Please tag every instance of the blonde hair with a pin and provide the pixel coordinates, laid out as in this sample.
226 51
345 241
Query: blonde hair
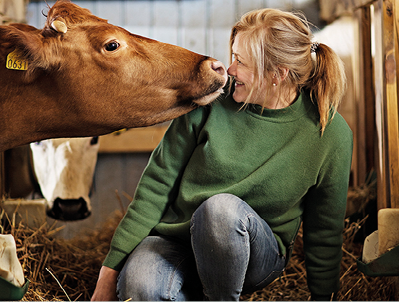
277 40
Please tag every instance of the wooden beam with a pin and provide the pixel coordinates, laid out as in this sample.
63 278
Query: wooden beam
133 140
333 9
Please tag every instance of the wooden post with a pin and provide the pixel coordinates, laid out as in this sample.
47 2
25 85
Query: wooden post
368 87
365 133
2 177
391 100
386 57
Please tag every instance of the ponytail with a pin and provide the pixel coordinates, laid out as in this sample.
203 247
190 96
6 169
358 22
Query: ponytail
327 83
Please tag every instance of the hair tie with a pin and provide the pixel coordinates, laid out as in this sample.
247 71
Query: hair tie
314 46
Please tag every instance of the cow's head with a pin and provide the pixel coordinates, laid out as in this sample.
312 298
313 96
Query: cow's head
64 169
86 77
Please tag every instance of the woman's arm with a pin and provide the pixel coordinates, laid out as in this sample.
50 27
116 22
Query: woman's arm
323 217
157 188
106 285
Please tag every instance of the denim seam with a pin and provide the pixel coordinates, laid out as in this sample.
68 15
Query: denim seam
193 247
247 243
276 249
170 285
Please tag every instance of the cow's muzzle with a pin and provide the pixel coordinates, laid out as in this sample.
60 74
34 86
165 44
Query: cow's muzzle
69 209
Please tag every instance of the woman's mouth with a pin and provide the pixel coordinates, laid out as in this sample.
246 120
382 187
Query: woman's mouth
238 83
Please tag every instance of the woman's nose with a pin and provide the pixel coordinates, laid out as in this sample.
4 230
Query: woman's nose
231 70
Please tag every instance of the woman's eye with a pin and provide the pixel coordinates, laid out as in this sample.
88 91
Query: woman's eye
236 59
111 46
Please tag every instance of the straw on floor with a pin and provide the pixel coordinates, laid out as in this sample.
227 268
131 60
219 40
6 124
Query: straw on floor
64 270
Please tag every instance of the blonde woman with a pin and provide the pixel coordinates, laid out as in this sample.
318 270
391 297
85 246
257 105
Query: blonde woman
218 208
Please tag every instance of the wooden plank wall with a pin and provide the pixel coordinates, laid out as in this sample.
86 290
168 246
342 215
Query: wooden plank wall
377 84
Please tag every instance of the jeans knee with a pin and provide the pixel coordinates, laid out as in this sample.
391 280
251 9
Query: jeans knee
218 206
125 287
218 212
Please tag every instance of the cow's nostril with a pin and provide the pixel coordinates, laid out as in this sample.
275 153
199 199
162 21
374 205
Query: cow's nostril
71 206
218 67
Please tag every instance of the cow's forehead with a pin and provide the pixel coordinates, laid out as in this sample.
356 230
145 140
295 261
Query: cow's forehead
71 13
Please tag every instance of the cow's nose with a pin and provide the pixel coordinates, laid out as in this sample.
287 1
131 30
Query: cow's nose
69 209
219 68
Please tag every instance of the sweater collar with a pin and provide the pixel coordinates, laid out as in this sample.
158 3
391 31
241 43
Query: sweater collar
293 112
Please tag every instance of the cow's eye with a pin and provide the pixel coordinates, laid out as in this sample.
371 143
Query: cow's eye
111 46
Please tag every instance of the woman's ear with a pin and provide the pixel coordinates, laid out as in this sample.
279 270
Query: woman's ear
283 73
280 76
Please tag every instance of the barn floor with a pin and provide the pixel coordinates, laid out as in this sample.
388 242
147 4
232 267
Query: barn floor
74 264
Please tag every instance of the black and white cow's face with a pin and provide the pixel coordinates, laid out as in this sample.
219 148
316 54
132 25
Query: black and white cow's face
64 168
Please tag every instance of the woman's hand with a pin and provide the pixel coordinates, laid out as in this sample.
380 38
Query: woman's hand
106 285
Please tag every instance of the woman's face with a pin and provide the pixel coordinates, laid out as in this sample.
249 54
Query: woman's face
242 69
267 92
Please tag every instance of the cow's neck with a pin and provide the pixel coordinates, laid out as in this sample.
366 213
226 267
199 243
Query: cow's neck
29 115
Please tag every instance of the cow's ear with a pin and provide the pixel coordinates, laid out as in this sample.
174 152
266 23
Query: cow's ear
38 51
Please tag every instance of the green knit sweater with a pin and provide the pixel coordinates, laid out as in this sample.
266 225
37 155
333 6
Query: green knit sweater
275 160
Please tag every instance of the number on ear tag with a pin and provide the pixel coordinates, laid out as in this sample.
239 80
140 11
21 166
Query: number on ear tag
16 61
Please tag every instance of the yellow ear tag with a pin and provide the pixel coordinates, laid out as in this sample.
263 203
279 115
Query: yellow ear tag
16 61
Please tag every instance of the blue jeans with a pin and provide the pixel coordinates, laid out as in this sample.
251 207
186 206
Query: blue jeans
233 251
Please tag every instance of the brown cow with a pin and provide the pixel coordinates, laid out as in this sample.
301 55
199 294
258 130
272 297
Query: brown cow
80 76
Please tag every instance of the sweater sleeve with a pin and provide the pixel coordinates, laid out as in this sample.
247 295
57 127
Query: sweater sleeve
323 218
157 187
